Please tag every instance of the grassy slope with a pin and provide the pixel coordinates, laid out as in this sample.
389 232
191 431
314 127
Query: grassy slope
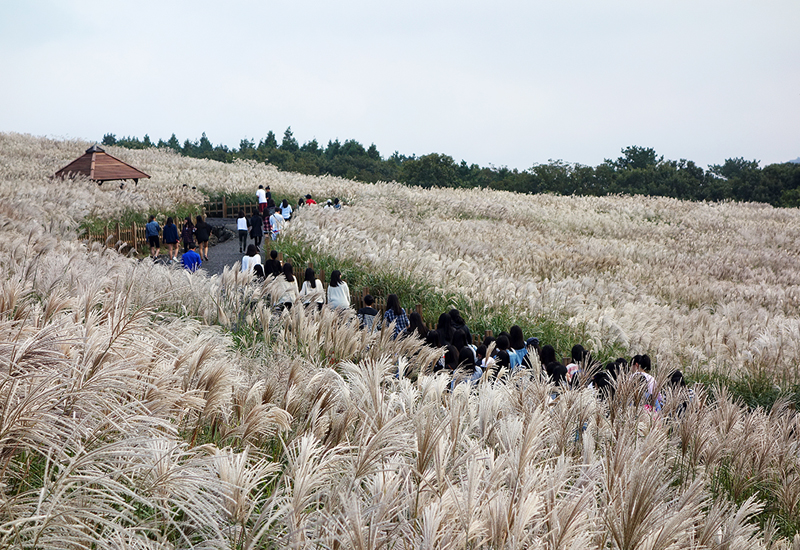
90 337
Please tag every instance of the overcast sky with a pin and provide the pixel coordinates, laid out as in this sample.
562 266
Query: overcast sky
503 83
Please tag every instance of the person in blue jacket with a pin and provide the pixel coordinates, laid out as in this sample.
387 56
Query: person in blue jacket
191 259
151 231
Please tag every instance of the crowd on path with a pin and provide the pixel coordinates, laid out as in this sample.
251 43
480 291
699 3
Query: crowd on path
269 221
465 360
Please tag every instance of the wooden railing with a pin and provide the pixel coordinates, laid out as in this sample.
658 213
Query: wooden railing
221 209
133 235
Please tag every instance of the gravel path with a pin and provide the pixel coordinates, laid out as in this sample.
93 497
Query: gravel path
222 254
226 253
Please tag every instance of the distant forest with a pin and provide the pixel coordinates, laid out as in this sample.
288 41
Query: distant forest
639 171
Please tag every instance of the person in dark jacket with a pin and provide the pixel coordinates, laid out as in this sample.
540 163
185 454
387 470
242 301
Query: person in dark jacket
273 267
257 229
187 234
202 232
458 323
171 239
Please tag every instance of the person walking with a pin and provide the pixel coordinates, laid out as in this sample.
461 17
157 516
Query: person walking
286 210
171 239
202 232
242 227
187 234
152 231
276 224
257 229
261 195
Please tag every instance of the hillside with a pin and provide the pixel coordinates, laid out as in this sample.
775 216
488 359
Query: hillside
145 407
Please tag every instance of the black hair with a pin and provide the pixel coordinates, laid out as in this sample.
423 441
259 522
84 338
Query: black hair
251 250
199 219
369 300
285 203
336 200
460 339
310 276
273 254
466 358
502 342
241 213
287 272
481 351
516 340
503 360
169 220
188 221
644 363
556 372
301 202
415 324
152 217
393 303
336 278
488 340
445 327
451 357
455 316
191 246
578 353
433 339
676 380
547 354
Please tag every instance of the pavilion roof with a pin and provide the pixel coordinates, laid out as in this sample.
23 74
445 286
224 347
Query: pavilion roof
98 165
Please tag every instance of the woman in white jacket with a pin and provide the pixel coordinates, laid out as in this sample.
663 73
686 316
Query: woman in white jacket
286 288
338 292
312 291
250 259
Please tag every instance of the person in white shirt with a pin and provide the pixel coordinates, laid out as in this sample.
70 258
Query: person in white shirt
338 292
286 210
277 224
286 288
312 291
251 258
242 226
261 194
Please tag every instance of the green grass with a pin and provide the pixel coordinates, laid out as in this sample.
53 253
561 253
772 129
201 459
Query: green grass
752 389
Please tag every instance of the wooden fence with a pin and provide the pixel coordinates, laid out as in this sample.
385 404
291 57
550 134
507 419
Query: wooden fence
221 209
133 235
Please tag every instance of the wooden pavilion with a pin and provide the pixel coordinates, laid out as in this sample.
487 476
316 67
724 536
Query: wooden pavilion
99 166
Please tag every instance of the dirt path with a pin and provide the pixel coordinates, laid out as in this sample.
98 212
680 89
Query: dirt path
222 254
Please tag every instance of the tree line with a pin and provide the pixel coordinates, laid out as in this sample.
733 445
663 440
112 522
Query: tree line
638 171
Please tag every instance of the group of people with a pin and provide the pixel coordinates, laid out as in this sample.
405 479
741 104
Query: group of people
193 235
310 292
468 363
271 218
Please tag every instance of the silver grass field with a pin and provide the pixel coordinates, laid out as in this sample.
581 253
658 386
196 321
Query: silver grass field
142 407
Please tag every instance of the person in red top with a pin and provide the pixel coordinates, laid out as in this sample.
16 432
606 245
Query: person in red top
309 200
